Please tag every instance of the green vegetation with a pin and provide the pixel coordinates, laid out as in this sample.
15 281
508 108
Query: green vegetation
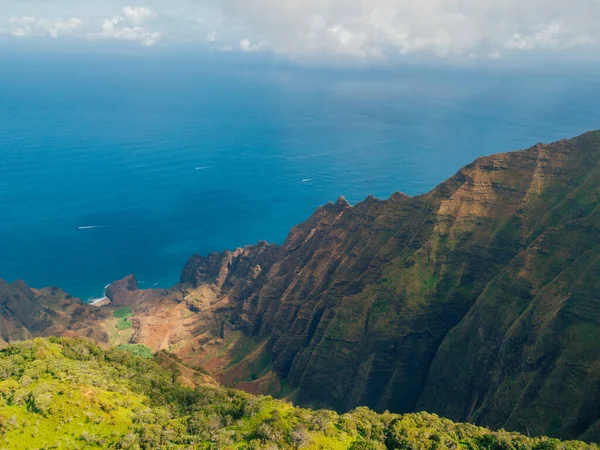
69 393
122 313
138 350
243 347
124 324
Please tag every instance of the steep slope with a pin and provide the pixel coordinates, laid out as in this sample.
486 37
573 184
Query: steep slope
26 313
69 393
352 309
530 346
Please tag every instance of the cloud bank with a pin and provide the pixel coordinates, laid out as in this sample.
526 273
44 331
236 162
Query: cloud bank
443 28
40 27
130 25
362 29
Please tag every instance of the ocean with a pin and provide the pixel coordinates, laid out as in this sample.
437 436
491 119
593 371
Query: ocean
117 164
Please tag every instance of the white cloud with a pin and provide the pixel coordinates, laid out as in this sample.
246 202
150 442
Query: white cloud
246 45
139 15
212 36
444 28
34 26
553 36
129 27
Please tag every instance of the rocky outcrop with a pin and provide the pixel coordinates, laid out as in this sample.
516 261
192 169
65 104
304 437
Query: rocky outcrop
127 284
26 313
228 269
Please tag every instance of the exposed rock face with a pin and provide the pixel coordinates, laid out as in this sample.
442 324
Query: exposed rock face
226 269
127 284
447 302
529 348
478 301
27 313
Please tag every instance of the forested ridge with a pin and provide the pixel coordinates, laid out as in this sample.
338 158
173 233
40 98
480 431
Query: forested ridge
65 393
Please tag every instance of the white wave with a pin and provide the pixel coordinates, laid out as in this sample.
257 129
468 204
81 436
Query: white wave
95 301
91 227
156 284
306 180
203 167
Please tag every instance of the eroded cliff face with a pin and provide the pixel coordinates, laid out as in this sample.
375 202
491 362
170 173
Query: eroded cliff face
527 354
353 308
477 301
26 313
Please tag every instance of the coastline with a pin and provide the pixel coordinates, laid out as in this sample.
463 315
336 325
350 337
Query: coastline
99 301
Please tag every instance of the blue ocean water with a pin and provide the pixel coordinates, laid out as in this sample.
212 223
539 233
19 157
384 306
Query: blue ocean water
111 165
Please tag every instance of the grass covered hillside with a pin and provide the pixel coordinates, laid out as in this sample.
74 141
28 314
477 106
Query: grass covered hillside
69 393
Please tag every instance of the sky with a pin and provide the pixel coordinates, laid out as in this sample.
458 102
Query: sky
321 30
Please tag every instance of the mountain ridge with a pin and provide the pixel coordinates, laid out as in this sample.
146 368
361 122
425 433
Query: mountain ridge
394 304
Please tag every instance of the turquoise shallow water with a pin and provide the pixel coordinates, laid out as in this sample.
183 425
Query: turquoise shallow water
159 158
